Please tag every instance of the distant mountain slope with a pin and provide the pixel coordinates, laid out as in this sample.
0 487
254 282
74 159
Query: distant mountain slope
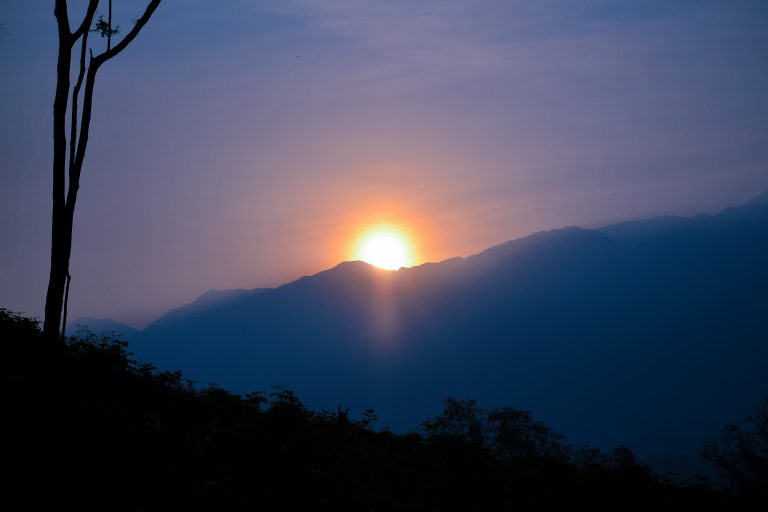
101 326
209 301
652 333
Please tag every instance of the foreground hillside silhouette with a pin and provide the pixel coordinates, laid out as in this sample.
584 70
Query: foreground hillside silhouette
90 427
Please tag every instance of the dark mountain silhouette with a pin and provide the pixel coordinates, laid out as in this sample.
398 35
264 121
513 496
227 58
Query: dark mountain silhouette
652 334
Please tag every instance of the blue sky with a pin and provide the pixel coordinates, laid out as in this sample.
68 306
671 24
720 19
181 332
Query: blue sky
243 144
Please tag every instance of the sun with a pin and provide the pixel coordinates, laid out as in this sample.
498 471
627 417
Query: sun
384 248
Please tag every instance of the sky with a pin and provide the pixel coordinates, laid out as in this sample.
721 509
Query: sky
244 144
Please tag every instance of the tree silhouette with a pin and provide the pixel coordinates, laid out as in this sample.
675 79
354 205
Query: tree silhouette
463 419
514 433
509 433
742 455
65 187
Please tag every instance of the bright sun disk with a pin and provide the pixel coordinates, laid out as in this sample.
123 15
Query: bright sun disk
387 250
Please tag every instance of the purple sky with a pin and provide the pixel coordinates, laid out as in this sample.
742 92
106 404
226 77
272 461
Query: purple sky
240 144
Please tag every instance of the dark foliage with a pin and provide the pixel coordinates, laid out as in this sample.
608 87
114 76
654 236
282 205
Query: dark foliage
462 419
742 456
88 428
508 433
102 27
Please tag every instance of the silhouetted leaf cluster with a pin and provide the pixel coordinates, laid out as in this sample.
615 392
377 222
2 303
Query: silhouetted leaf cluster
102 27
89 428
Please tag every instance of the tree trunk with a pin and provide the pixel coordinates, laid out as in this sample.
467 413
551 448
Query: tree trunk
61 247
61 238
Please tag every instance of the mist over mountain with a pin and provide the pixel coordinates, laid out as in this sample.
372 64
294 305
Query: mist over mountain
652 333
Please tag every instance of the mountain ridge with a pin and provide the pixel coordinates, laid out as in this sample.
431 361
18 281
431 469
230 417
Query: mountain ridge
625 228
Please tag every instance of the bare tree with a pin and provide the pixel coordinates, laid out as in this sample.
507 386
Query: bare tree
65 190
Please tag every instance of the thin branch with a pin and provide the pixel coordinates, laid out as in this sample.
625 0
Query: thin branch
85 124
109 34
66 303
76 94
102 58
86 24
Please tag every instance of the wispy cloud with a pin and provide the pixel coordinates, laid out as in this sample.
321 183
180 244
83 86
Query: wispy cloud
391 45
405 42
